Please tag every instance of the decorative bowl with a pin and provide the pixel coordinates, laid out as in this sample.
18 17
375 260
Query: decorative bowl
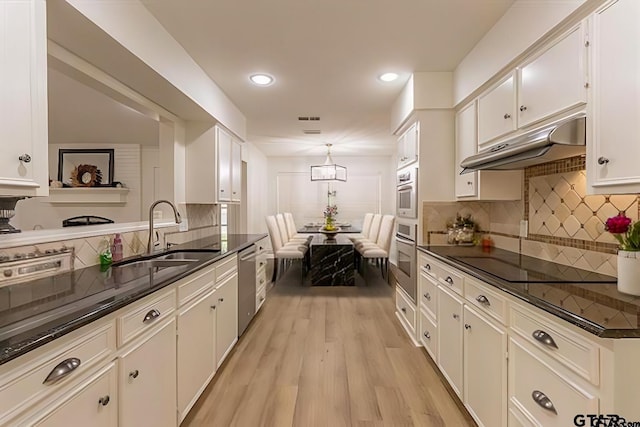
330 234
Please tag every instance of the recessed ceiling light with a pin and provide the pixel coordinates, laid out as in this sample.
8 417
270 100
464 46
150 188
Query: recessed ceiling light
261 79
388 77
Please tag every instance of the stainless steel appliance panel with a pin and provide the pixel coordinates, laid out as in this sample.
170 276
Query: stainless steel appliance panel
406 272
246 287
407 193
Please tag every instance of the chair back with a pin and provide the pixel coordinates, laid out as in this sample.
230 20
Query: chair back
274 233
282 226
386 232
366 223
291 225
375 228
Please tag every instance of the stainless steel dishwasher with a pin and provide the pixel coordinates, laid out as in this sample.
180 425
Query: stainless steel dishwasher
246 287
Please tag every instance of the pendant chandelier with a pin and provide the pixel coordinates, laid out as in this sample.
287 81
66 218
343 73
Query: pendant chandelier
328 171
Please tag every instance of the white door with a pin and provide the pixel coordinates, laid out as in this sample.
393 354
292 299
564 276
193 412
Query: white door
450 338
496 111
226 300
94 402
196 350
236 171
147 380
224 142
23 99
485 369
554 81
614 137
466 145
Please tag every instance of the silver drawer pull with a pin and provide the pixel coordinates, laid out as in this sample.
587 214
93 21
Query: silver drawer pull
544 338
427 296
449 280
427 335
483 300
62 369
427 267
151 316
543 401
467 326
134 374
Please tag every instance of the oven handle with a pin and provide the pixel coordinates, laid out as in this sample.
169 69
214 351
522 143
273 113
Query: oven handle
405 241
405 187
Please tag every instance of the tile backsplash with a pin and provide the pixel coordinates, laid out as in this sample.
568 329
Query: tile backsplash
565 224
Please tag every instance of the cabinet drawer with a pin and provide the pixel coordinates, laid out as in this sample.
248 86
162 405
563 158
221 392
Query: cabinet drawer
226 267
428 294
25 385
192 288
549 397
261 295
144 315
429 335
487 300
517 419
451 279
429 266
406 310
570 349
261 279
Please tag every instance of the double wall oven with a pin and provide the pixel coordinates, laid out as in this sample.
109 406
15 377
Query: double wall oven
407 193
406 256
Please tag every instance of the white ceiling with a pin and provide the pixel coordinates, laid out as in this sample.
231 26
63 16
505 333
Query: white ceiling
326 56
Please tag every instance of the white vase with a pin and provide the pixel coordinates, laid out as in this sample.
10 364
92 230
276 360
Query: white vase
629 272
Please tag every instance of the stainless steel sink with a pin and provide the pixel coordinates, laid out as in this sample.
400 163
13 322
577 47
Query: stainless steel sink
164 260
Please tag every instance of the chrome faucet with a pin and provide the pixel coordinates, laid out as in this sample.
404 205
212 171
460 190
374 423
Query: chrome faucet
153 205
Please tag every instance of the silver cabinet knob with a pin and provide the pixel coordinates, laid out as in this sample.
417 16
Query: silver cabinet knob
427 267
104 401
427 335
404 310
467 326
25 158
507 116
427 296
449 280
603 160
456 316
213 307
220 299
134 374
469 183
543 401
523 108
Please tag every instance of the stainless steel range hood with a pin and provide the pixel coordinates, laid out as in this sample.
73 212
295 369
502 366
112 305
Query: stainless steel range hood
564 138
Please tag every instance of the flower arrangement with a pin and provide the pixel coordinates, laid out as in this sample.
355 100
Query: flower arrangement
626 233
330 213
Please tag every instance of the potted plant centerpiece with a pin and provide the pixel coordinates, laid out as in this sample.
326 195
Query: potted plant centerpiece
628 237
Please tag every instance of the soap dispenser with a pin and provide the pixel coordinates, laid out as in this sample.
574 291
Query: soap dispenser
116 249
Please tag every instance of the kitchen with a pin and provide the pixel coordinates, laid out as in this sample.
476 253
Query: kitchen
473 76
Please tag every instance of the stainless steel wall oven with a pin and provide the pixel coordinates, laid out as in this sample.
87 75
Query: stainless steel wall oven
406 257
407 193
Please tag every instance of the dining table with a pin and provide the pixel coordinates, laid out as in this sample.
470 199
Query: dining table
332 260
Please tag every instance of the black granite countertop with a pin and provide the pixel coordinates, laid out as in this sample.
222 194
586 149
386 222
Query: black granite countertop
36 312
595 307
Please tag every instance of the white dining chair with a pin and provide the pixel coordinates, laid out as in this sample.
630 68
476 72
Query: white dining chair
292 230
366 226
379 250
283 253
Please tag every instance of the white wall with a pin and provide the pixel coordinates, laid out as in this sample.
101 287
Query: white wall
370 187
524 23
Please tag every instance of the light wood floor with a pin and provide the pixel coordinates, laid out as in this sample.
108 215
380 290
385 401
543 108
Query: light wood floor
327 356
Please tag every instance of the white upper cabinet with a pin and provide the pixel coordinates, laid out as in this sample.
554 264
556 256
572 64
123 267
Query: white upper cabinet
613 134
555 80
496 111
408 146
23 99
480 185
213 156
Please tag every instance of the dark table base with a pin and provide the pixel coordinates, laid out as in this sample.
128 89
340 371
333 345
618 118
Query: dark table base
332 264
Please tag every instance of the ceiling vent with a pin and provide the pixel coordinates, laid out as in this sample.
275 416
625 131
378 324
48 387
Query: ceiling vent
308 118
312 131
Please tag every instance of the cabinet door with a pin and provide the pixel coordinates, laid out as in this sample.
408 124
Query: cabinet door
614 138
224 142
554 81
236 171
196 330
496 111
93 402
408 146
466 145
23 98
147 380
485 370
450 338
227 317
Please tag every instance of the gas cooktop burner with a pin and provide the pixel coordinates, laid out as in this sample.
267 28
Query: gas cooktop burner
523 269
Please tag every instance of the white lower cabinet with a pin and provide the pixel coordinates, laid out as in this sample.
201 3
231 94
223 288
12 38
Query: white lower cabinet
450 338
93 402
485 369
196 330
547 394
147 379
226 301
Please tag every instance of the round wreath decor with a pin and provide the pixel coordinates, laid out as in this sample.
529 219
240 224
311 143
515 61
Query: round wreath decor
86 176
